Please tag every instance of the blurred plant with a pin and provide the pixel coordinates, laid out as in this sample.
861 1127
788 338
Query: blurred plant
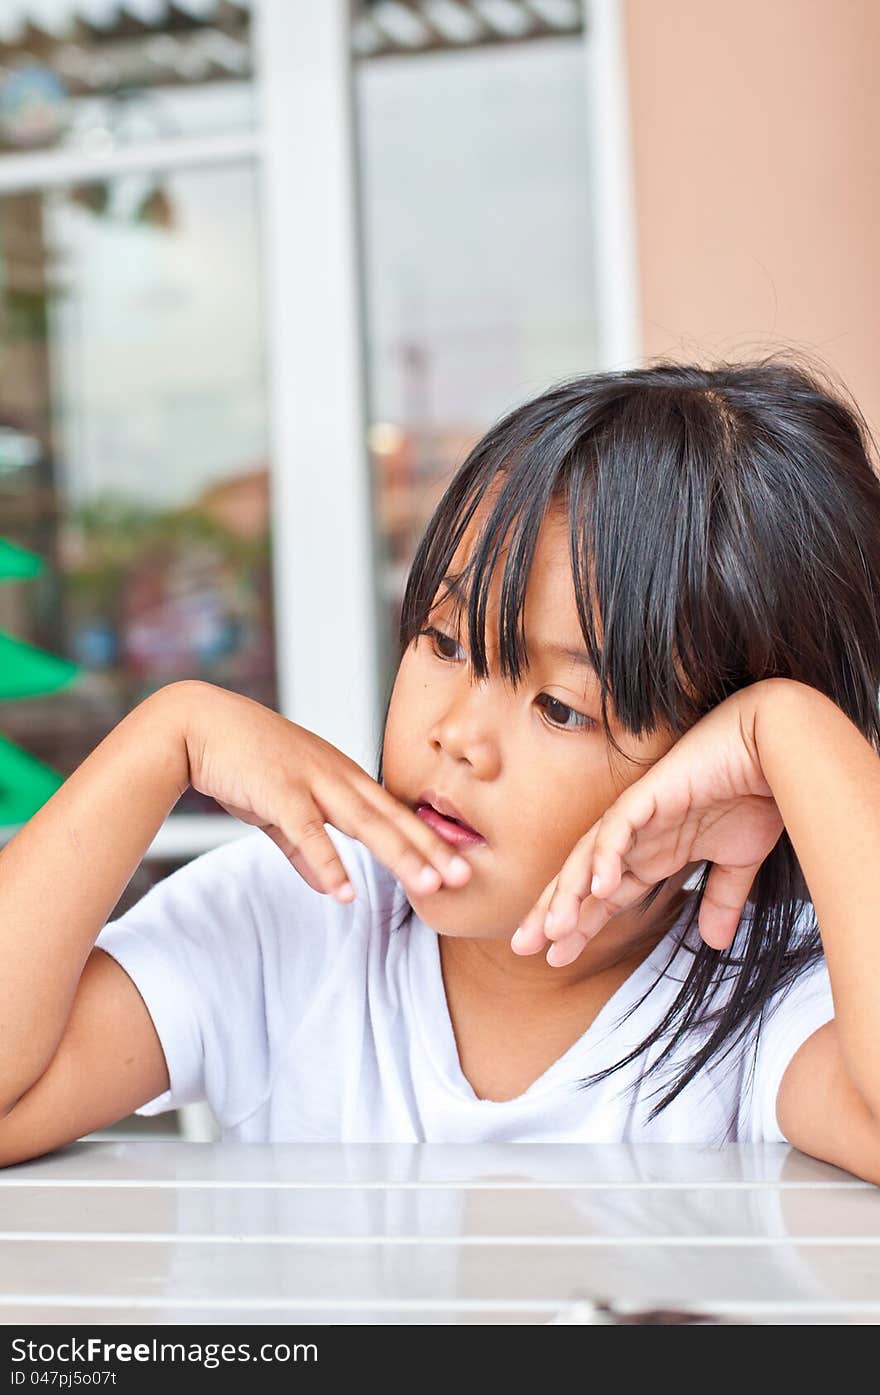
25 315
95 198
156 209
113 531
124 561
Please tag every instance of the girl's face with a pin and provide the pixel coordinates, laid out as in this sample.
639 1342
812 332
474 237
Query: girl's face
531 770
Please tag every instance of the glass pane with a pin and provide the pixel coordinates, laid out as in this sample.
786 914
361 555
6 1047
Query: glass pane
478 260
134 473
92 74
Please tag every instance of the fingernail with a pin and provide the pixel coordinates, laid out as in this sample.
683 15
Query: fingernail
518 936
428 879
594 885
549 920
345 892
458 866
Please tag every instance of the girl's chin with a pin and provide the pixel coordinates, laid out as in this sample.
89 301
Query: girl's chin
451 926
448 932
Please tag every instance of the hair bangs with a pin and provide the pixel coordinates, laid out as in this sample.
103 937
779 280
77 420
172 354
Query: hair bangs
520 475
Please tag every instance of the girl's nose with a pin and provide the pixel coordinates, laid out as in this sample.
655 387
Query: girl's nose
469 727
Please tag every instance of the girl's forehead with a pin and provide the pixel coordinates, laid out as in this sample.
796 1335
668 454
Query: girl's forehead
551 548
549 584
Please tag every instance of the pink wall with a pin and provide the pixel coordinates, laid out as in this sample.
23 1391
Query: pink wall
755 130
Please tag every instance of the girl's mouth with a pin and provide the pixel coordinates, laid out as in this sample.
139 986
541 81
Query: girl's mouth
452 832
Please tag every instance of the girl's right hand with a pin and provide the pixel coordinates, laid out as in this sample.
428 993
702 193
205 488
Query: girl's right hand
282 778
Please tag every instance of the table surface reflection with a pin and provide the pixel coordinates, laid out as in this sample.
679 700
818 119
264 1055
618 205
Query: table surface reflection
168 1231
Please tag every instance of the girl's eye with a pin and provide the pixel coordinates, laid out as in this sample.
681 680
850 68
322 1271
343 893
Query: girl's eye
439 637
581 722
560 714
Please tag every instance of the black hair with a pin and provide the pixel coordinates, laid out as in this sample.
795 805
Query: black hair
724 521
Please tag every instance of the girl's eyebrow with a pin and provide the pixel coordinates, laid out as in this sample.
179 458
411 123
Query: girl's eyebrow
577 656
562 651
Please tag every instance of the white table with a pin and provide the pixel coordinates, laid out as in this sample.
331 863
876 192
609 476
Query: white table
174 1232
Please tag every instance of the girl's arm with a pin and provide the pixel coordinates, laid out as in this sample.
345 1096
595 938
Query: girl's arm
65 870
825 779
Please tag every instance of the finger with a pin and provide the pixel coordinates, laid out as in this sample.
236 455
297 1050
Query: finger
428 844
341 887
618 829
572 886
529 936
592 914
397 841
566 950
727 890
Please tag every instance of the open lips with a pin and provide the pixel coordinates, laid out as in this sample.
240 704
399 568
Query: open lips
450 827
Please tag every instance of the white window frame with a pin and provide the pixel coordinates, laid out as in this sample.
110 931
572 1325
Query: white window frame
616 260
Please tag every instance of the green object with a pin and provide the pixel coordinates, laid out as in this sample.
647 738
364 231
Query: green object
25 783
16 564
25 671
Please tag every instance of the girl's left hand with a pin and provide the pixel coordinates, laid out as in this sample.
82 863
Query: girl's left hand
706 799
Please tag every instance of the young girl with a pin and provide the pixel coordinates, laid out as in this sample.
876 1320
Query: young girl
618 876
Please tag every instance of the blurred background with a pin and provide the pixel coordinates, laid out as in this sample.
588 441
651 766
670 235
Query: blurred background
269 268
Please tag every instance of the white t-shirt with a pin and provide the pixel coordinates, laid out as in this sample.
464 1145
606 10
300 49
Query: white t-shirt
300 1019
